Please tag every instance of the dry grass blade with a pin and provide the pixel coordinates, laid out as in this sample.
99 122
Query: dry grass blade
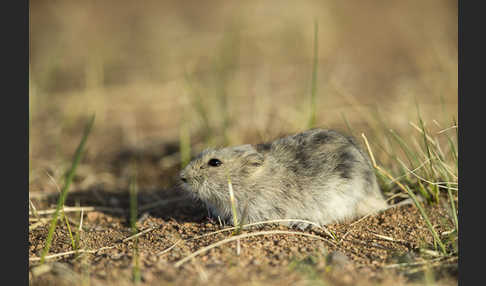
233 205
83 208
267 222
204 249
78 251
249 225
443 185
34 210
170 247
91 250
408 170
447 129
292 220
139 234
419 263
38 223
57 255
236 222
77 238
386 237
397 195
449 171
423 133
81 220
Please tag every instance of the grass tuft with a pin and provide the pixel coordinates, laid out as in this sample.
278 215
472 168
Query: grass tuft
62 197
63 214
432 174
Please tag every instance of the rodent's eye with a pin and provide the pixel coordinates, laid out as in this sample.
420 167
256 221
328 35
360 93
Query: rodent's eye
214 163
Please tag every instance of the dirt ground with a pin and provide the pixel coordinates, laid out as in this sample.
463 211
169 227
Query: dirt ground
382 249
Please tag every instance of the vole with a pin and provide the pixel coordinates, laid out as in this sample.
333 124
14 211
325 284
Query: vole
318 175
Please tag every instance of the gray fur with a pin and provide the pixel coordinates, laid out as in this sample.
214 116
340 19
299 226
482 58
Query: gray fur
318 175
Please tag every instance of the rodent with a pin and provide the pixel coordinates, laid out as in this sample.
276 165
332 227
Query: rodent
318 175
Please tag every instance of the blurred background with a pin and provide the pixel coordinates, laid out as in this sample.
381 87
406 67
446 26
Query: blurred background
164 74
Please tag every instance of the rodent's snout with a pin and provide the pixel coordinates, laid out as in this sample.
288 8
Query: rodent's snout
182 176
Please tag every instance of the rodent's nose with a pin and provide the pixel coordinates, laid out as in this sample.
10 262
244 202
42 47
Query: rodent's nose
183 178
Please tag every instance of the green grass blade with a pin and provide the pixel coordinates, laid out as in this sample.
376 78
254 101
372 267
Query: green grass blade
197 103
452 148
452 144
411 157
453 208
133 203
69 177
426 143
184 145
348 126
136 275
71 237
427 220
312 119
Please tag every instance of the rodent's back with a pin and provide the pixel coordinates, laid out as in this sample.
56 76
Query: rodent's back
316 153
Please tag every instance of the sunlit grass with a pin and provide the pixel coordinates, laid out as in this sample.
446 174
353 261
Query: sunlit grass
431 172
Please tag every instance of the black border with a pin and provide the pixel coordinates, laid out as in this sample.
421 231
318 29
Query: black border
15 97
471 79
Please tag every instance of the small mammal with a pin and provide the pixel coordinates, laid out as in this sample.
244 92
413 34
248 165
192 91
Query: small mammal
318 175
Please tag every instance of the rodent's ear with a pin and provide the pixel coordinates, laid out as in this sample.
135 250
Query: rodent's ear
254 159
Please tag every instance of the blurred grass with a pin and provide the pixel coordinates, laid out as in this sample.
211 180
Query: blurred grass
242 67
136 274
313 111
309 267
185 145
